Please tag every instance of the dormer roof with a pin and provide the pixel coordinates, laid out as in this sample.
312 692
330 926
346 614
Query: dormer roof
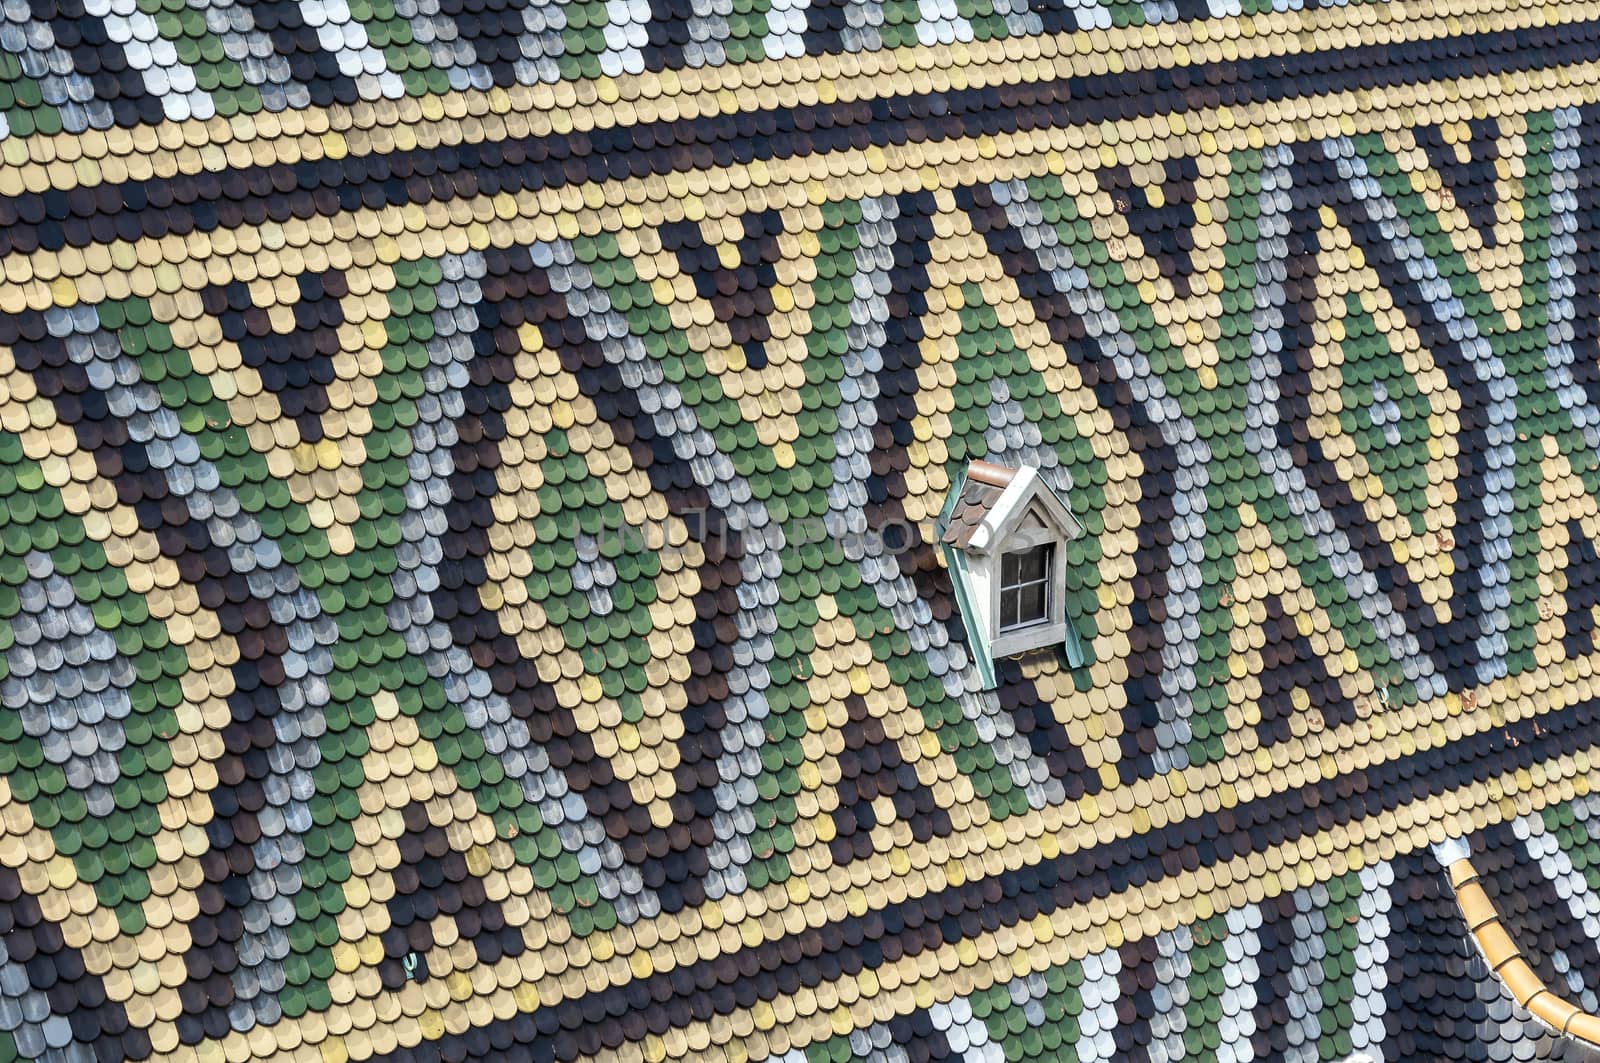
994 499
983 488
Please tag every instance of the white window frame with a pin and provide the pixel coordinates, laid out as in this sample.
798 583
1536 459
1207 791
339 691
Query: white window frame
1022 588
1008 642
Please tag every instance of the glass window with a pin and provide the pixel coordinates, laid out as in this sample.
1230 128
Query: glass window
1025 591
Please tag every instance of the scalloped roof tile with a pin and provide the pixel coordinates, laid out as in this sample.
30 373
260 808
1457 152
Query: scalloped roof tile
469 472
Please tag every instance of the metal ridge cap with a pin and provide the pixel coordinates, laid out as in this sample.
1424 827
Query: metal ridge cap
1494 942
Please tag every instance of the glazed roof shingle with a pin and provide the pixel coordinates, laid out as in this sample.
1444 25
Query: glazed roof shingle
470 474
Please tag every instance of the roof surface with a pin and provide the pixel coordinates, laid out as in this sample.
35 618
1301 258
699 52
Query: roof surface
467 480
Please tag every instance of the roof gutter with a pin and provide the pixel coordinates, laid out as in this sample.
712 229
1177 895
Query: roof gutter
1551 1009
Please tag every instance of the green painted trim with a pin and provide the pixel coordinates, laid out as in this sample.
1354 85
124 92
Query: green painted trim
956 562
1072 645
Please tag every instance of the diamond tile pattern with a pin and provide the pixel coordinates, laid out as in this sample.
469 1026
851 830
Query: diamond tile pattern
470 578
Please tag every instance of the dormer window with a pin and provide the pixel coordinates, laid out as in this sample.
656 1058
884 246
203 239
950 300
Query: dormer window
1004 533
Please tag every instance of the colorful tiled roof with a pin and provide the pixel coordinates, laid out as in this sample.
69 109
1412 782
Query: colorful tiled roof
469 470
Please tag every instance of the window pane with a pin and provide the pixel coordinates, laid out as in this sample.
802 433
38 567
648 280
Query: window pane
1008 608
1031 603
1024 586
1025 592
1024 605
1033 564
1026 566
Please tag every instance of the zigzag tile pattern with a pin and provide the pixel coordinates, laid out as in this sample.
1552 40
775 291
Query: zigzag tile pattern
469 584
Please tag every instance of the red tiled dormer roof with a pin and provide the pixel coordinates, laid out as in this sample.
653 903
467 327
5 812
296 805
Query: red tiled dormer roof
984 485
